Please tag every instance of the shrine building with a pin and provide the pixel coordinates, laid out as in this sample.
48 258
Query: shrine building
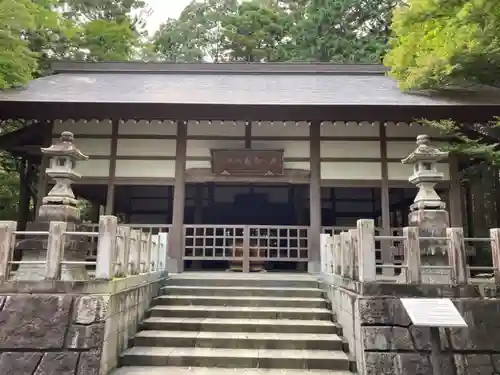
266 155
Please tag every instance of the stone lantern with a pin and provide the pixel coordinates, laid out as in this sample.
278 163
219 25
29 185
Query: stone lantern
425 174
428 211
59 205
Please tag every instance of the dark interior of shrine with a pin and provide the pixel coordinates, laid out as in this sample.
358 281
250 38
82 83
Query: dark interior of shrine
251 204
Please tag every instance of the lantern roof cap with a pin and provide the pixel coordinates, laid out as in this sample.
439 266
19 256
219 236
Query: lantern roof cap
65 147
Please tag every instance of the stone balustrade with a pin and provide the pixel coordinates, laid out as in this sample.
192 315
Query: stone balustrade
351 254
375 324
121 251
64 325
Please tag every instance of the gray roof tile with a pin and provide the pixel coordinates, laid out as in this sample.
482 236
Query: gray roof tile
229 87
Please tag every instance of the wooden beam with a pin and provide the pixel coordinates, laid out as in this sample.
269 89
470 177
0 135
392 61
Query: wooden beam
110 195
248 135
176 235
43 179
315 198
455 196
384 199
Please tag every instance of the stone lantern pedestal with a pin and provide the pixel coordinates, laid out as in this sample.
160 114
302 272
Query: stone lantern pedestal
428 212
59 205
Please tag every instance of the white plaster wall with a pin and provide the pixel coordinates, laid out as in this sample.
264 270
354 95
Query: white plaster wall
292 149
280 129
401 149
201 148
145 168
349 129
146 147
409 130
190 164
82 127
148 128
401 172
350 171
216 128
93 168
297 165
92 146
350 149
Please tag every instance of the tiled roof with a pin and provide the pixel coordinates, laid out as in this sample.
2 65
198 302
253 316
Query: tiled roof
232 84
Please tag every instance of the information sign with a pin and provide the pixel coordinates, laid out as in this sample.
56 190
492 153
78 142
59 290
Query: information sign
433 312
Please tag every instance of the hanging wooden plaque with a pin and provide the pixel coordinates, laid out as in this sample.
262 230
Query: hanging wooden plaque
247 162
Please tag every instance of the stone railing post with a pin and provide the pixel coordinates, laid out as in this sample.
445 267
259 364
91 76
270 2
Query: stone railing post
106 247
337 252
135 252
162 251
331 255
7 241
411 245
347 263
353 233
366 250
495 253
456 255
122 245
55 249
146 253
322 253
342 252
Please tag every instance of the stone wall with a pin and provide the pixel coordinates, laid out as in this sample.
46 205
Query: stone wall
383 341
82 331
393 346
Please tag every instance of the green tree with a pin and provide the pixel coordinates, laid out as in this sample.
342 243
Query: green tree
108 40
438 44
198 34
342 31
255 32
17 61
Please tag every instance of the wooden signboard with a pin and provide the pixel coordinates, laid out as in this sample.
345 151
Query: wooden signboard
247 162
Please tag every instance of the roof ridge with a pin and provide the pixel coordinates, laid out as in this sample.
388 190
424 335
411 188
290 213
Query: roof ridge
218 68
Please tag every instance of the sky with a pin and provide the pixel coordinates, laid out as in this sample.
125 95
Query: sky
163 9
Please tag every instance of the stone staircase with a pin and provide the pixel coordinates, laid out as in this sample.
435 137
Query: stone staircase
218 323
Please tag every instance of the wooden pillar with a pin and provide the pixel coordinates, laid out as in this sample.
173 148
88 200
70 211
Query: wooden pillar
110 194
315 198
248 135
455 196
43 179
386 255
176 234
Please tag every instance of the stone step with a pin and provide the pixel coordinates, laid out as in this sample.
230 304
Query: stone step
181 300
241 325
241 291
153 370
239 340
240 312
235 358
247 280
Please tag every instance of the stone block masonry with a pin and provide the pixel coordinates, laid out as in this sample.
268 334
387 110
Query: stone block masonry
384 342
72 333
40 334
393 346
